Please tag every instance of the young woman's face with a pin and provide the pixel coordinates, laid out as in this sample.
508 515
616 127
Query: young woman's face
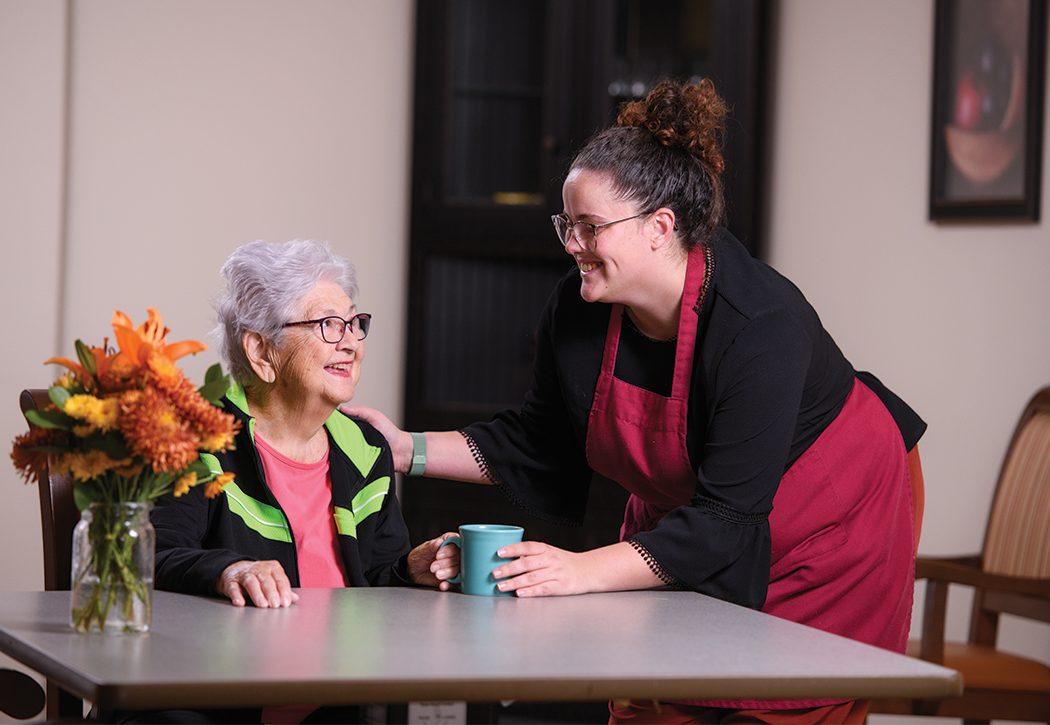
315 370
612 265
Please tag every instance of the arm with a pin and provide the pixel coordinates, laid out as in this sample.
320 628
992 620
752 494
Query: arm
448 455
543 570
183 564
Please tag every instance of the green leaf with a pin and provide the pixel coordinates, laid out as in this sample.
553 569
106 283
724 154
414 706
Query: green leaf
214 373
58 396
199 467
215 384
50 419
85 494
112 444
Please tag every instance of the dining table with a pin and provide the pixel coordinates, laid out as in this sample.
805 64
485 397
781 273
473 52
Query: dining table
398 645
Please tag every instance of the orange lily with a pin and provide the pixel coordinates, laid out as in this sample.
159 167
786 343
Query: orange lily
149 337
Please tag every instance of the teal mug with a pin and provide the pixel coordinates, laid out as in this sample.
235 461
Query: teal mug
478 544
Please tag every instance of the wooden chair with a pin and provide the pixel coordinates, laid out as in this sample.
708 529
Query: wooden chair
58 517
1010 576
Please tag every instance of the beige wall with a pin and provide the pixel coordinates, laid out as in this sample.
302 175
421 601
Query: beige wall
196 125
193 126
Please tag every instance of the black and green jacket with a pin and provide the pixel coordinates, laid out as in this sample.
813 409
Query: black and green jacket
197 538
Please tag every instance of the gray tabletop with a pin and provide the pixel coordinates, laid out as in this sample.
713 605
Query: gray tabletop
398 645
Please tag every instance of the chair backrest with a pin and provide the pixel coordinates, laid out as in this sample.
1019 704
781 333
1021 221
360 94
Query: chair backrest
1017 540
58 512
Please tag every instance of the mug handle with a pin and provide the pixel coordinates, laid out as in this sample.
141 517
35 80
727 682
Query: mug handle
454 540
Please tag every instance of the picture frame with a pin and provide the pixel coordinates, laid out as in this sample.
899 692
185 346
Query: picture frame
989 75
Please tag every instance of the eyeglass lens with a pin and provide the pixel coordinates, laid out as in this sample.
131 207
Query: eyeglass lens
582 231
333 329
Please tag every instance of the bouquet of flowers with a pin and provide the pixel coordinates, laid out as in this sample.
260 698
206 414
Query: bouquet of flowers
127 426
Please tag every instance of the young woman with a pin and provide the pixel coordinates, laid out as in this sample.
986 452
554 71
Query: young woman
763 469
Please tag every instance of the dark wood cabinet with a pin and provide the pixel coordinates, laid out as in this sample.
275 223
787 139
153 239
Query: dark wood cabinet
505 92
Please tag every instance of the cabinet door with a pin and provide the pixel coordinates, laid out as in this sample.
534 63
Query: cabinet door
506 90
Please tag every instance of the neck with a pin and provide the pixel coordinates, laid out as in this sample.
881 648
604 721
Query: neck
294 429
655 312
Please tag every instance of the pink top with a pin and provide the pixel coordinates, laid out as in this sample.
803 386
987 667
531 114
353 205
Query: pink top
304 491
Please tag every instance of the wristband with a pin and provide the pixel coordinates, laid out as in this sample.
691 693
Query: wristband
419 454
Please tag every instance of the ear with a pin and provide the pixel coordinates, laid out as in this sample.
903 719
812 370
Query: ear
256 349
662 228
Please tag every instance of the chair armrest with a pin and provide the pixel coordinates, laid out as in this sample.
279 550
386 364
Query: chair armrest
966 570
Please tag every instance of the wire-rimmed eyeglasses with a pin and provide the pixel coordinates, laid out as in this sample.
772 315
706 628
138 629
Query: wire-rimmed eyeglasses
583 232
333 327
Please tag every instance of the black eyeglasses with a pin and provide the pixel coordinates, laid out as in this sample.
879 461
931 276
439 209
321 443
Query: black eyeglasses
333 328
584 232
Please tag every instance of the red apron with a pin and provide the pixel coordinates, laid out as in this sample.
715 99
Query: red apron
841 526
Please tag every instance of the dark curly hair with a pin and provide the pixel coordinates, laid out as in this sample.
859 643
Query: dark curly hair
666 151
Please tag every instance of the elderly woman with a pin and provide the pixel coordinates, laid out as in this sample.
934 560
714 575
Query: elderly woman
312 501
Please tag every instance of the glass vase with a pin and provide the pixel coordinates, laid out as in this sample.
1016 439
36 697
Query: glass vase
112 569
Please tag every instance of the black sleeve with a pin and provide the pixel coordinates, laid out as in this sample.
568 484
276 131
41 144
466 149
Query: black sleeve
182 563
534 454
719 544
387 562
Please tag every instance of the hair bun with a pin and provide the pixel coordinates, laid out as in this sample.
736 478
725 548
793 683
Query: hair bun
689 116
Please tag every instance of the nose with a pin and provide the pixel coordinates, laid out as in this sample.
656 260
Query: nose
574 238
349 341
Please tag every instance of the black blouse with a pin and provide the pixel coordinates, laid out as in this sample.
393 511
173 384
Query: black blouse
766 381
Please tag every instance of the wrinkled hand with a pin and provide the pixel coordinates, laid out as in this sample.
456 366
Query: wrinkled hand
399 441
542 570
264 582
429 566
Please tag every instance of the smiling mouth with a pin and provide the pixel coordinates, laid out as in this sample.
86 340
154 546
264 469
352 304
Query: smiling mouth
339 368
588 267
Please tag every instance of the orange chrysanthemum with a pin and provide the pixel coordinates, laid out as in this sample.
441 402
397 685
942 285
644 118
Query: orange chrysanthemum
184 484
30 462
154 430
215 486
214 428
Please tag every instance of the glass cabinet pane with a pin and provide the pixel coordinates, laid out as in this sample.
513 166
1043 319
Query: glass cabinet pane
496 101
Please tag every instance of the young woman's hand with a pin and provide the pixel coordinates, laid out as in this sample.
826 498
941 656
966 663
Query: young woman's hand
543 570
399 441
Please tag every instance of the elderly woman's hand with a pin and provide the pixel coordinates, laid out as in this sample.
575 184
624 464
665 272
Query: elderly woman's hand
431 566
263 581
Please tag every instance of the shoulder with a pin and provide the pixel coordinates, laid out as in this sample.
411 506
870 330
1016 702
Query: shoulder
749 286
358 440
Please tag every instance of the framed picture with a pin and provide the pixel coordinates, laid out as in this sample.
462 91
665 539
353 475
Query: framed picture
989 75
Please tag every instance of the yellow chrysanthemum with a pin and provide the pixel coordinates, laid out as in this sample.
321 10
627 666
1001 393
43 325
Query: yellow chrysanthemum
81 406
184 484
84 466
215 486
130 468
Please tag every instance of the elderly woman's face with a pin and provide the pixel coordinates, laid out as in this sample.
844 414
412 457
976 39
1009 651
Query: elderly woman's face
313 367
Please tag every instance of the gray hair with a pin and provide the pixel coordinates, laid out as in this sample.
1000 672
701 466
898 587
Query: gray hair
264 284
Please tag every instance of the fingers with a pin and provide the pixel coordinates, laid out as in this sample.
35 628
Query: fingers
523 548
236 595
264 583
539 570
